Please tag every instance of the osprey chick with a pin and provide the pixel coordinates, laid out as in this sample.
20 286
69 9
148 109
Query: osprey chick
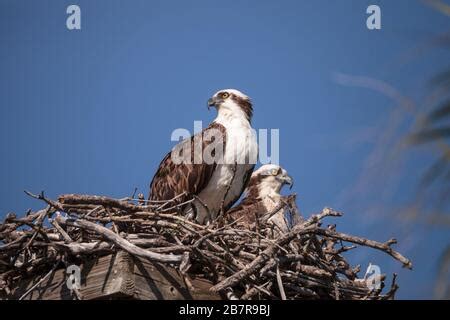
262 196
216 163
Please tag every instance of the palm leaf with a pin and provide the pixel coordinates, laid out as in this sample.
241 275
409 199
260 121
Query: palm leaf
429 135
442 79
439 5
441 112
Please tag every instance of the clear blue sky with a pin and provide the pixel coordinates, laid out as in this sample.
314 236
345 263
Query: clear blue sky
91 111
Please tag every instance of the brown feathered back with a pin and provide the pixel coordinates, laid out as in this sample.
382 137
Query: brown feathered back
245 211
172 179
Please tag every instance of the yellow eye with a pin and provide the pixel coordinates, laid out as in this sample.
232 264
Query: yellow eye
225 95
274 172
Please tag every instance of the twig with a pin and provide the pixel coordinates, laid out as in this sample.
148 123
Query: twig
40 281
307 261
120 242
280 284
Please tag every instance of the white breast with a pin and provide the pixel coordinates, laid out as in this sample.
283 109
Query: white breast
271 203
225 184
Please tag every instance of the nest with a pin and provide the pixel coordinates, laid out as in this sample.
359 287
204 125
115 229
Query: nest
243 262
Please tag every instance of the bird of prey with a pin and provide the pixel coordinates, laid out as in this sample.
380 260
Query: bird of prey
262 198
216 163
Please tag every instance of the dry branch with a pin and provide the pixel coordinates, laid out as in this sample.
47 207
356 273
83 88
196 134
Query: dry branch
244 262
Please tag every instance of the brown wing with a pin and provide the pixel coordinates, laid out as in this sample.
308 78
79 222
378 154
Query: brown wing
247 177
173 179
246 210
251 203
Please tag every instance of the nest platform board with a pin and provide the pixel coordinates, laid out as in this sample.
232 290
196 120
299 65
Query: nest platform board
116 276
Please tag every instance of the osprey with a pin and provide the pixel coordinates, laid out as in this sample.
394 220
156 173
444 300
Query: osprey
209 171
262 196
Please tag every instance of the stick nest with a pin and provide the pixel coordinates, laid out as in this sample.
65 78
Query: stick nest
243 262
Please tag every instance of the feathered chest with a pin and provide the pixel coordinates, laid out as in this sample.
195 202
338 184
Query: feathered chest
231 175
240 144
271 202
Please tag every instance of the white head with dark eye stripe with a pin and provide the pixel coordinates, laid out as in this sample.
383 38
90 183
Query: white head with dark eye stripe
268 181
232 103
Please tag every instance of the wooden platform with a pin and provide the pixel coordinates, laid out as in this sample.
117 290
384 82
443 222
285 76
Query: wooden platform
117 276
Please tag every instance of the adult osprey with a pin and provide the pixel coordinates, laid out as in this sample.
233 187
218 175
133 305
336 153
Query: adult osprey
212 167
262 196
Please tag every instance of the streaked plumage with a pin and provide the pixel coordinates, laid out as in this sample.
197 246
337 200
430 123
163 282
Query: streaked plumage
220 182
262 196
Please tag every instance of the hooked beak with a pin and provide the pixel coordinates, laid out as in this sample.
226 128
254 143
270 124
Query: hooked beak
288 180
212 102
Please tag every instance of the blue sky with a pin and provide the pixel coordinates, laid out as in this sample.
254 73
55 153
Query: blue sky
92 110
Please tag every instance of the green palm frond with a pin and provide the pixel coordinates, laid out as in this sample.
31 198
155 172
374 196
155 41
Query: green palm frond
442 112
430 131
436 129
442 79
440 6
431 134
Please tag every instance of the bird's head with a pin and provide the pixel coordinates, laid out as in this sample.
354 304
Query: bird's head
269 179
232 102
